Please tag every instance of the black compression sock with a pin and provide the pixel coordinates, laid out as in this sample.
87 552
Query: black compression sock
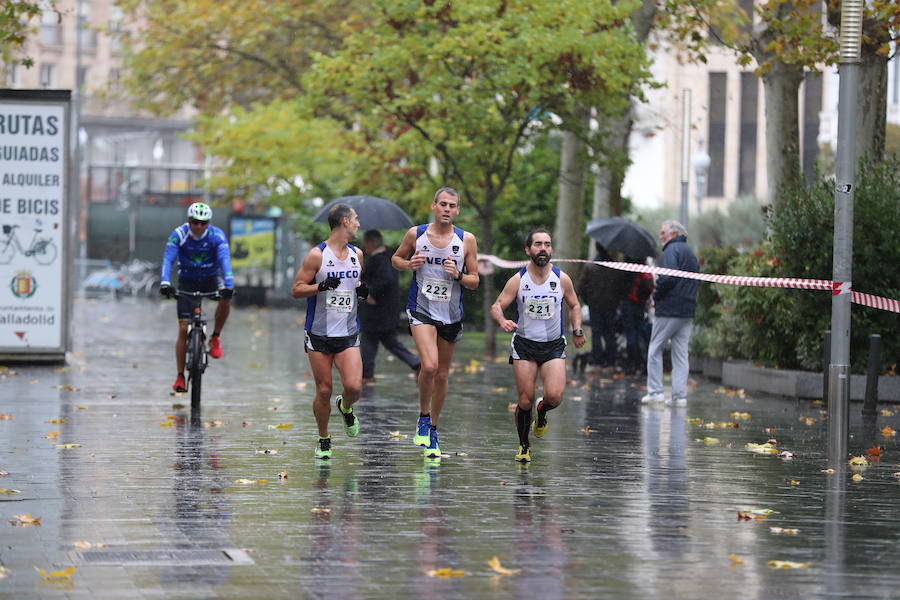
421 414
523 424
215 334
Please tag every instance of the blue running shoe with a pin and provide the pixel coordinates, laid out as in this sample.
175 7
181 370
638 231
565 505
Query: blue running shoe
423 429
434 449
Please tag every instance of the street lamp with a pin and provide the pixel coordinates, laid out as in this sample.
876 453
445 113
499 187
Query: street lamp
700 161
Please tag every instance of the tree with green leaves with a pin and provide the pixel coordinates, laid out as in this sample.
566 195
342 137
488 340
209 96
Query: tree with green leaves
213 54
15 26
459 89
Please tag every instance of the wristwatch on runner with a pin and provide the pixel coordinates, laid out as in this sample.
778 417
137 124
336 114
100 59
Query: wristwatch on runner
578 332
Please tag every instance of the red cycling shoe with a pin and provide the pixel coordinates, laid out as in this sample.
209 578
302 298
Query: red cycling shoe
179 385
215 347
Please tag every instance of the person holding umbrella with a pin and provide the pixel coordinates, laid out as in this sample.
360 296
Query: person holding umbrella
329 278
378 314
443 260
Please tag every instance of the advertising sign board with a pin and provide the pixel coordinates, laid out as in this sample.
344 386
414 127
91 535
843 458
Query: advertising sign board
35 262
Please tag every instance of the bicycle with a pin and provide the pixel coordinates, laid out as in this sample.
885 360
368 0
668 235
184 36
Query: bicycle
43 250
196 357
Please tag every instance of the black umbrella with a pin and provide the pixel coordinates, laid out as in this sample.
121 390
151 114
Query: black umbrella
373 213
620 235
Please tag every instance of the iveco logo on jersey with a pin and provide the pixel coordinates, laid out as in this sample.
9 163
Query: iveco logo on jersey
342 274
435 260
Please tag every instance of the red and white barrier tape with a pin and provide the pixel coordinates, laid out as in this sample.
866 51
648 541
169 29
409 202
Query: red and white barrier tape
835 287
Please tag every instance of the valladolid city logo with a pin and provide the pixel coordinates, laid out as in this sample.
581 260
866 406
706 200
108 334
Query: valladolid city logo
23 284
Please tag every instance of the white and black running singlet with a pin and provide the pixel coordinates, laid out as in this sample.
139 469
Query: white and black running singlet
333 313
432 292
539 307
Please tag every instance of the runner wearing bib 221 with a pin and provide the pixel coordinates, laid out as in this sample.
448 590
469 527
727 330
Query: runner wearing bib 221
538 343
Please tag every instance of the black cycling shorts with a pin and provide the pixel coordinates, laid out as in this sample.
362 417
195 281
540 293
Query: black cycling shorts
452 332
186 304
330 345
539 352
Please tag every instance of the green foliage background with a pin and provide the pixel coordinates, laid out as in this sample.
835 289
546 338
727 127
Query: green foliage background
784 327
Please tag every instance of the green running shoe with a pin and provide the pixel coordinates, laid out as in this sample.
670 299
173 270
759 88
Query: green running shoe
323 448
540 422
524 455
434 449
351 423
423 428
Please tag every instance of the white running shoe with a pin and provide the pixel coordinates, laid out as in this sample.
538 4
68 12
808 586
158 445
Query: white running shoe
676 402
652 398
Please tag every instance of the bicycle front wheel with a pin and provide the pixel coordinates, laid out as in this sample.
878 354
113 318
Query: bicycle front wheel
195 368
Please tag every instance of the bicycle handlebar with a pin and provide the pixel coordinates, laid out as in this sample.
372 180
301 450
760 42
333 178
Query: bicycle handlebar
197 294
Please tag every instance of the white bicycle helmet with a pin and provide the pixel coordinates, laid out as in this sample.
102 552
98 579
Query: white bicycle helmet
199 211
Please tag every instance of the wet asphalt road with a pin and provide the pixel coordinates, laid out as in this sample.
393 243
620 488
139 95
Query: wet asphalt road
622 500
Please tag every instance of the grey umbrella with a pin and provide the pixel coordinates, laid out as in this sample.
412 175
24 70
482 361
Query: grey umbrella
621 235
373 213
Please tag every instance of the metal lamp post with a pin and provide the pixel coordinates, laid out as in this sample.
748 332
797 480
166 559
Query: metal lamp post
700 161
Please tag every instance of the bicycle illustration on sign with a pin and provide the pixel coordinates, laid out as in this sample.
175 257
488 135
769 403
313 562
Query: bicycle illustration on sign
43 250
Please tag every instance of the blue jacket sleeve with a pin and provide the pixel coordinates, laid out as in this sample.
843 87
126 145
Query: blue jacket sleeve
664 283
170 253
223 253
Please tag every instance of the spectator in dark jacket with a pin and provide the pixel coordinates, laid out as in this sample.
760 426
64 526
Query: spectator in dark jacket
634 319
601 288
379 314
675 301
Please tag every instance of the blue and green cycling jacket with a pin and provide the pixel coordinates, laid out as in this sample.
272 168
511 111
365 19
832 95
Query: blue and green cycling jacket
198 259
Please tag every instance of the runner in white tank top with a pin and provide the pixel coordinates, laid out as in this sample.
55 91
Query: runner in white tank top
329 279
332 313
443 259
433 293
538 342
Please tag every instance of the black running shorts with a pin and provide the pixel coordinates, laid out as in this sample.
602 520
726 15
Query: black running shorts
330 345
539 352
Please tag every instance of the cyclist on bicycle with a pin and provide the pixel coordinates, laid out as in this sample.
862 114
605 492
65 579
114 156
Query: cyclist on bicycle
204 265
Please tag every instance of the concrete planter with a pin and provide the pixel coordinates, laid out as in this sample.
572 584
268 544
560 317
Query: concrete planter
799 384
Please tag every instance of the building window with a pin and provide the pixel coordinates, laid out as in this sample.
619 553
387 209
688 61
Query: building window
82 77
51 30
48 75
116 19
86 35
716 134
11 74
812 106
749 127
115 80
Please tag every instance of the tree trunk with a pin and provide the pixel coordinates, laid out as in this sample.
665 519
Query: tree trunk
568 235
610 172
781 85
487 288
872 106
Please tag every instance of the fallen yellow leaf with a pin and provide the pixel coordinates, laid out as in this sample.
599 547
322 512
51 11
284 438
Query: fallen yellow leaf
319 510
283 475
398 435
739 415
886 412
251 481
446 572
68 446
166 424
59 421
888 431
500 390
25 520
786 564
81 406
494 563
51 436
767 448
828 471
86 545
859 461
794 482
9 491
857 477
4 572
282 426
783 531
63 575
710 441
587 430
736 560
